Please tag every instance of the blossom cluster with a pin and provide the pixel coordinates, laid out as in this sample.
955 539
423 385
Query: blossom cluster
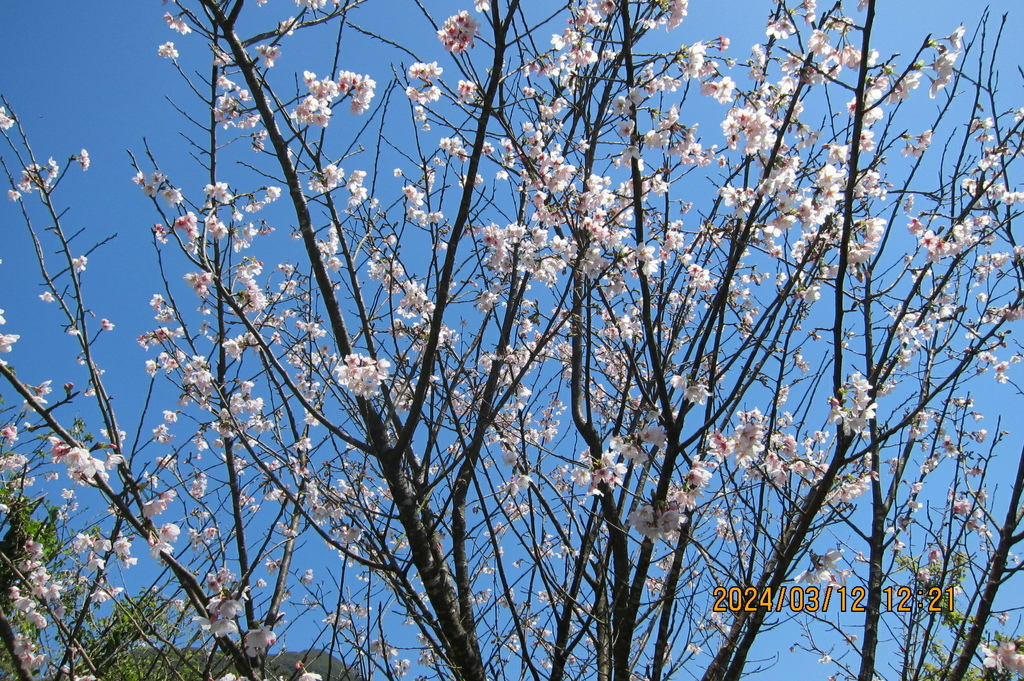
315 109
155 184
362 375
232 105
855 416
7 340
81 465
824 569
38 177
177 23
426 92
656 521
221 614
458 31
1003 656
664 325
44 589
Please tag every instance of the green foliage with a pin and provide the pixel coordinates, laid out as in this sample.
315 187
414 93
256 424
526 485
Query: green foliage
115 639
22 523
938 655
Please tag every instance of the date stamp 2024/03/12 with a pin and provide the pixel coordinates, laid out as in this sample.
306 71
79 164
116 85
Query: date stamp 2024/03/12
815 599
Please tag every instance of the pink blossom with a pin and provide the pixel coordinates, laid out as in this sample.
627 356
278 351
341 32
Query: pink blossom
654 435
656 522
362 375
936 247
188 224
167 50
221 620
150 184
755 124
903 87
1003 656
161 541
458 31
696 393
963 506
425 72
916 146
42 390
748 438
855 409
7 340
200 282
269 54
610 473
677 11
780 30
823 569
214 227
36 176
177 23
467 91
122 547
722 90
360 89
218 192
943 67
258 640
700 278
424 94
158 505
81 464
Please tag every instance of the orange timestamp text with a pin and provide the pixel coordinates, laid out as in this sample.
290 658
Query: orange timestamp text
816 599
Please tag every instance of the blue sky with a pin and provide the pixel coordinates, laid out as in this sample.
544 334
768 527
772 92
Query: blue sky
86 75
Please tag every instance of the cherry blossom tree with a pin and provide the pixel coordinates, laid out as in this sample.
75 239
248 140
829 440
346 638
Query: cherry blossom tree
547 349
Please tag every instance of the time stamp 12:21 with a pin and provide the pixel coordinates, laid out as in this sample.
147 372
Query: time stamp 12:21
814 599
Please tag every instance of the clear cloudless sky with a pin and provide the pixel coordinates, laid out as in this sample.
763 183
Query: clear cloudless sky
86 75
